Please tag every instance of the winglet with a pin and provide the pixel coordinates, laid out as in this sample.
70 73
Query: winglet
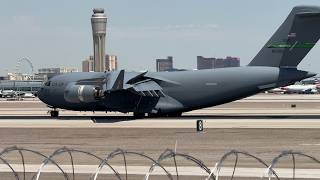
115 82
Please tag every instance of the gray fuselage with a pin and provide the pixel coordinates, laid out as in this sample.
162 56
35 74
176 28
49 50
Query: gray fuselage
190 90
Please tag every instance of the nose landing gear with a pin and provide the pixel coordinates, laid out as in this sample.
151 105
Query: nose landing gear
54 113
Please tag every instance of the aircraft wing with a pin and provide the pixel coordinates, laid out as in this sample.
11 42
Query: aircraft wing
140 83
147 88
146 84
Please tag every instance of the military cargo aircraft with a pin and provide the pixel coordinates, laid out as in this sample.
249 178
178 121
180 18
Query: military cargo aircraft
172 93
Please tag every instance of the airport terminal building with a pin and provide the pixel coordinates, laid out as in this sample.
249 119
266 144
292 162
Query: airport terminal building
22 85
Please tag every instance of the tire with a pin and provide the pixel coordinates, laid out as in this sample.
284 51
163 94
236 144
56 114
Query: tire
138 115
159 114
54 113
174 114
152 115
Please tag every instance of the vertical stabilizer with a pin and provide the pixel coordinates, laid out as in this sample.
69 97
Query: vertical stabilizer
293 40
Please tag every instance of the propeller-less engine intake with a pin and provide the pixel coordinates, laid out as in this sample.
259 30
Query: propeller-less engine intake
82 93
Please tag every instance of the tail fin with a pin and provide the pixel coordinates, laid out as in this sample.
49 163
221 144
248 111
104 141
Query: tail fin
293 40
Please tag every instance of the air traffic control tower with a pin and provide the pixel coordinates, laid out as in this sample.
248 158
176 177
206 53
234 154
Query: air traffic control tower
99 23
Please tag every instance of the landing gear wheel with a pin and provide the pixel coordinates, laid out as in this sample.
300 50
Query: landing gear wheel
174 114
152 115
138 115
54 113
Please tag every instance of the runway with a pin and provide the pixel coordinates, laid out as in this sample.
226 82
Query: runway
259 105
219 123
264 125
260 111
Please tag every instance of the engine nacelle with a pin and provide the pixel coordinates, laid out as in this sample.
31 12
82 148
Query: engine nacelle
82 93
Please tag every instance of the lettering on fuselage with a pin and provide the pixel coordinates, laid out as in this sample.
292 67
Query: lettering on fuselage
211 84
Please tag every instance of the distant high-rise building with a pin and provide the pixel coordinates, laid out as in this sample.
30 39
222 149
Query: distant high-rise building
99 23
232 62
213 63
164 64
218 63
88 64
50 72
204 63
111 62
57 70
85 66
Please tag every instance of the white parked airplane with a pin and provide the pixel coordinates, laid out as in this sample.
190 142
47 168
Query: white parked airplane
276 91
302 89
298 88
7 93
28 95
12 93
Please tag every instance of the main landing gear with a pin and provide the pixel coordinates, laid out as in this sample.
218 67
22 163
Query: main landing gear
54 113
138 115
172 114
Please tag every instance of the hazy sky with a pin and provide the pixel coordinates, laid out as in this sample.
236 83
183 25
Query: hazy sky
58 33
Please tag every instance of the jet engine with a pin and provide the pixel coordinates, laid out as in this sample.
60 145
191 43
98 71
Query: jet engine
82 93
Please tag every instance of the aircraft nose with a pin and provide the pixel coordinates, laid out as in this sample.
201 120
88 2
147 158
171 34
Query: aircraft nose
40 94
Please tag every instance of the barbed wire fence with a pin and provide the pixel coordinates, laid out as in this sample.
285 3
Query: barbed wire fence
211 174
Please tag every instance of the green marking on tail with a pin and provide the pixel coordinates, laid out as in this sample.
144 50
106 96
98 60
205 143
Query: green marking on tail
288 45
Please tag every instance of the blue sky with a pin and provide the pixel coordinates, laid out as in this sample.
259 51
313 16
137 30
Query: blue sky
58 33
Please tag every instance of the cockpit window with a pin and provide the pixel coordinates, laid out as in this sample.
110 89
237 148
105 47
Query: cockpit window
47 83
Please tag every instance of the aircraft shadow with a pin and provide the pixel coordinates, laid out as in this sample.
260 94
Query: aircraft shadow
266 117
95 119
111 119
